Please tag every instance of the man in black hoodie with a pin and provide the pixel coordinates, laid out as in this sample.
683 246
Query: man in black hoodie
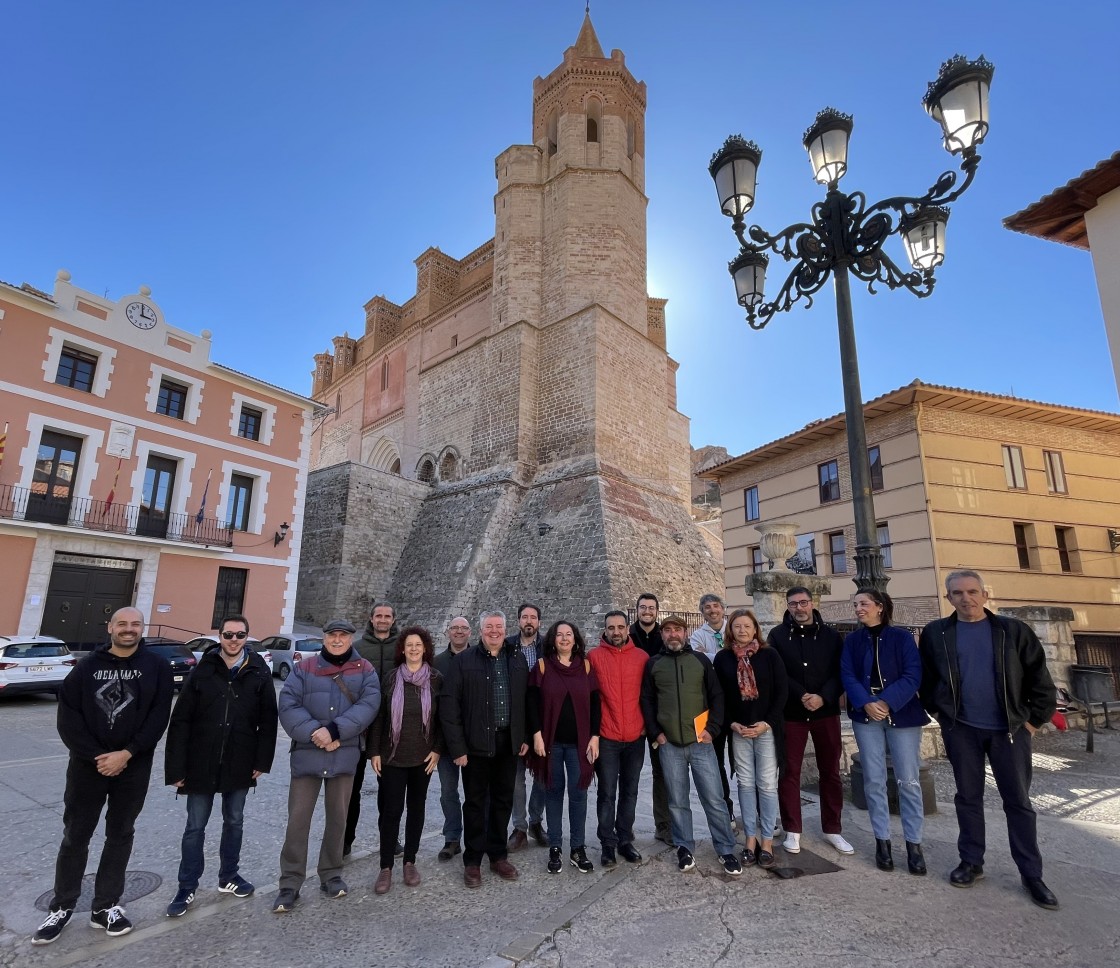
112 710
378 646
646 635
810 650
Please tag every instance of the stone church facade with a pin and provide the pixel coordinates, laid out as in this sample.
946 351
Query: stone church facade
510 432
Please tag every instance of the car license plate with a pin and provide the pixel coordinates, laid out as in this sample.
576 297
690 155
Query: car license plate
178 678
40 668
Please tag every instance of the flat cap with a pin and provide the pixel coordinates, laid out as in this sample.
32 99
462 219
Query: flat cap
674 619
339 625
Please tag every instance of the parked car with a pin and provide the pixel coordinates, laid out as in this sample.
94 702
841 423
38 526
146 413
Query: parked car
288 651
33 663
181 658
204 643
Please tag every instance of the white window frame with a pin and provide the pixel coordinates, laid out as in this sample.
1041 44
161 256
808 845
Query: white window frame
93 441
194 392
257 510
1055 482
101 372
268 418
1014 467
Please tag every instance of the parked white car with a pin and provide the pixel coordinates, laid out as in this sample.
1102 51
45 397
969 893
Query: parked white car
289 650
33 663
205 642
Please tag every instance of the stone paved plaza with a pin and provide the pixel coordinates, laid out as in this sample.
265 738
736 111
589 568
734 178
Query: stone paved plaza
649 915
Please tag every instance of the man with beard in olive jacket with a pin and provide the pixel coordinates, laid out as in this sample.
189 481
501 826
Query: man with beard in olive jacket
378 646
222 737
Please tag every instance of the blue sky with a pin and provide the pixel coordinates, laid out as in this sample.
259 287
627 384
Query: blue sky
267 166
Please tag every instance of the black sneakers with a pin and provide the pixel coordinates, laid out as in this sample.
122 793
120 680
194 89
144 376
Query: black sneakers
555 860
579 860
50 929
286 899
111 920
179 904
334 888
685 860
237 886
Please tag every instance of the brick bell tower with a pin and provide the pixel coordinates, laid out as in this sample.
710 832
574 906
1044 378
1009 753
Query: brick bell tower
578 486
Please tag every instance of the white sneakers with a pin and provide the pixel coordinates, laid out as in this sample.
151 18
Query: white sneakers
792 843
841 845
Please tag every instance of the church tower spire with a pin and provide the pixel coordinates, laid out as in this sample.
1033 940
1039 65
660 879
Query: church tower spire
587 43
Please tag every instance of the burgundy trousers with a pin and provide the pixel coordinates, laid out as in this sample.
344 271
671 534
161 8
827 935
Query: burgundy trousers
826 744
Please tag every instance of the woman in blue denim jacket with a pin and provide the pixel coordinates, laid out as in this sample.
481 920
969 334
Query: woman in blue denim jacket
880 669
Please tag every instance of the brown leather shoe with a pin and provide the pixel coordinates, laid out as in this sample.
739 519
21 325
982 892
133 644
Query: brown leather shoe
517 840
384 882
411 875
472 875
504 869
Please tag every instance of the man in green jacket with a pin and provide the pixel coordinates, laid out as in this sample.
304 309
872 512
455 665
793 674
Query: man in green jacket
378 646
682 705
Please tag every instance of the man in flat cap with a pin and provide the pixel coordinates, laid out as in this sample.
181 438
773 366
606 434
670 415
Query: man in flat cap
326 705
682 705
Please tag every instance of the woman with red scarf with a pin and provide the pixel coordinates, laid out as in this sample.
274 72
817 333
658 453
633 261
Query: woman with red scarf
562 712
754 684
403 744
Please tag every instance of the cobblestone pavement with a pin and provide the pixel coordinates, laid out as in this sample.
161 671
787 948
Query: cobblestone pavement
646 915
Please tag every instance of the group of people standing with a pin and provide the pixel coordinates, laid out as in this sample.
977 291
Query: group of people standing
549 707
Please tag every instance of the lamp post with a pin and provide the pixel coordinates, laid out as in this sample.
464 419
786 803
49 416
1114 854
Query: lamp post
847 234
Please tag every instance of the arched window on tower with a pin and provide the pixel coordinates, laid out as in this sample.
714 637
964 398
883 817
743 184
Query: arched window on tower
426 471
594 116
385 373
630 136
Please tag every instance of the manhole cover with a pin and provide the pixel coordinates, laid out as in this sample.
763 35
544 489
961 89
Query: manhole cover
136 884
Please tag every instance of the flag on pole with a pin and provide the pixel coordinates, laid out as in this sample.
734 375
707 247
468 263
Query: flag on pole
202 507
113 489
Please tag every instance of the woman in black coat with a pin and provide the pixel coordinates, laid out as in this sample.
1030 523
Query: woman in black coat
754 684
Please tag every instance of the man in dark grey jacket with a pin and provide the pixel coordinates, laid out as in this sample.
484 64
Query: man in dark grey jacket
482 711
984 678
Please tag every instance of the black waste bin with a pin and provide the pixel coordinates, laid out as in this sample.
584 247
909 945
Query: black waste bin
925 779
1092 683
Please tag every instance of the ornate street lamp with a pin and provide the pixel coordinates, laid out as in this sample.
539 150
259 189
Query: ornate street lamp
847 235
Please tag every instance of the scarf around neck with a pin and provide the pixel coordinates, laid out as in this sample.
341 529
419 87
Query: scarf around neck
748 687
422 679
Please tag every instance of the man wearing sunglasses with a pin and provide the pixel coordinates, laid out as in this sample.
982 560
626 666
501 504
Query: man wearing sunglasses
221 739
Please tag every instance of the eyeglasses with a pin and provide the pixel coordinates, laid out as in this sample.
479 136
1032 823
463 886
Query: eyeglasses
234 635
804 603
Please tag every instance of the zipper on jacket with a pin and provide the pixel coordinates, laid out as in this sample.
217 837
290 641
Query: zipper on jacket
952 684
1003 672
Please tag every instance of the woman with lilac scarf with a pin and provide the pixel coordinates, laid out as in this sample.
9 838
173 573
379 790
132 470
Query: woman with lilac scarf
404 745
753 678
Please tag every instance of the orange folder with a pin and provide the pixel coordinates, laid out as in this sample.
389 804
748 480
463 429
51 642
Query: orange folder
701 723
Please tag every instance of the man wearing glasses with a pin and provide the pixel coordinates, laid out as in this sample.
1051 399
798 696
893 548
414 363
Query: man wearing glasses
221 739
810 651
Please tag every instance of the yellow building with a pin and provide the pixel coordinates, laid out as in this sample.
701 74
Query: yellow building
1026 493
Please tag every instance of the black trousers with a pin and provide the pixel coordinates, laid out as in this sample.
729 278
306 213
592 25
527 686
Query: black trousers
401 787
722 756
485 826
353 812
1010 758
87 793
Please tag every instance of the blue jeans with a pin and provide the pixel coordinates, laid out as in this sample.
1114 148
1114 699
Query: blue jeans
449 799
619 768
675 763
756 769
564 759
875 740
536 799
193 863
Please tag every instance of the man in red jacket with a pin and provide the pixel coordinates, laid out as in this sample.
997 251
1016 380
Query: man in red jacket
619 666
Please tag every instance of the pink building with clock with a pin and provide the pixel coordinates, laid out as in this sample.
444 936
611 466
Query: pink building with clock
136 471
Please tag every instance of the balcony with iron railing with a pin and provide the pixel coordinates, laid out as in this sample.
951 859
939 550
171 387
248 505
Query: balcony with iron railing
35 505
